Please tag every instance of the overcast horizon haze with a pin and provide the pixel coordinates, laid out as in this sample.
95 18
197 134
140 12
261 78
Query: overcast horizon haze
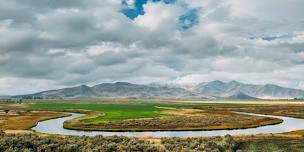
51 44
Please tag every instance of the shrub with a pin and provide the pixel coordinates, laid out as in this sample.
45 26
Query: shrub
35 143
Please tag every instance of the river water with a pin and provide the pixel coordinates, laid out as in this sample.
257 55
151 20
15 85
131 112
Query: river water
55 126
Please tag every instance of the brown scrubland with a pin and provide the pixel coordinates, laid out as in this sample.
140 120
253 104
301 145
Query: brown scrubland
289 110
33 143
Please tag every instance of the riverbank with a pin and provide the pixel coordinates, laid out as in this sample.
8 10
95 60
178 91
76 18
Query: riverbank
174 117
181 120
147 116
289 124
25 120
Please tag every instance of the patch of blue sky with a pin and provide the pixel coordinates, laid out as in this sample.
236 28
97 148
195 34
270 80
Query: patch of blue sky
166 1
133 11
138 8
189 19
270 38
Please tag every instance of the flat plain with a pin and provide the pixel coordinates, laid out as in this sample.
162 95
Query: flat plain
122 115
160 115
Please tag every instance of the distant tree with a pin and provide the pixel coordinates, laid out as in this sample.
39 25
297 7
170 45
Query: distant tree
6 110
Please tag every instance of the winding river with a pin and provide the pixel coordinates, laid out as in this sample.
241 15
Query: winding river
55 126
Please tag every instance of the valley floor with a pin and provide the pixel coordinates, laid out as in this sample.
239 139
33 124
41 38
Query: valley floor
176 115
152 116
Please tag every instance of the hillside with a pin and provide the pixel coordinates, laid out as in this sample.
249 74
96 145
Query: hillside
112 90
222 89
214 89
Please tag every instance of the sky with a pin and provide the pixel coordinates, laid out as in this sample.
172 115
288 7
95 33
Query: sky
51 44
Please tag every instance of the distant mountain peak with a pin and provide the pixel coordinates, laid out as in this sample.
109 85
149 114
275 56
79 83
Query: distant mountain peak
84 86
230 90
3 96
222 89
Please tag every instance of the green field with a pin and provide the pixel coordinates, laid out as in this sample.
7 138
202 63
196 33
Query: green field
125 110
113 111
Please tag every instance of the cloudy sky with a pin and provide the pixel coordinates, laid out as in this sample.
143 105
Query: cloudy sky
47 44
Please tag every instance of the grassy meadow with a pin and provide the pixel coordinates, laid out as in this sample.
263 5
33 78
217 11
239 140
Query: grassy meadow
154 115
124 110
113 111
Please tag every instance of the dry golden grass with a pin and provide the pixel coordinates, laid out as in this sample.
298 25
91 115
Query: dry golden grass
25 120
12 106
185 112
289 110
296 132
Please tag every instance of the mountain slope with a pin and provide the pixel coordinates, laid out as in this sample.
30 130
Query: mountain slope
214 89
222 89
112 90
4 96
127 90
242 96
82 91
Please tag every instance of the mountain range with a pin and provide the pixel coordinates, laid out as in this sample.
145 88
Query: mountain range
4 96
206 90
267 91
